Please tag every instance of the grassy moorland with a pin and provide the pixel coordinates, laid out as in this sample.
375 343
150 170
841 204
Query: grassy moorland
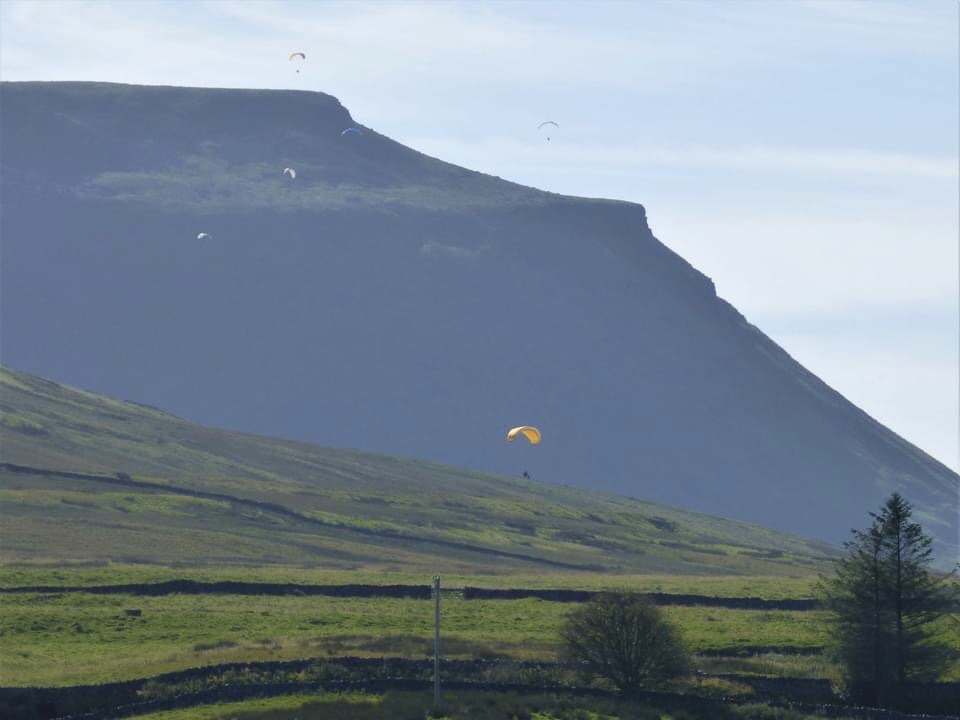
97 491
160 499
195 496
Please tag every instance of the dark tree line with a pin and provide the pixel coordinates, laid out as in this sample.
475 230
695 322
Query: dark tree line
885 602
890 614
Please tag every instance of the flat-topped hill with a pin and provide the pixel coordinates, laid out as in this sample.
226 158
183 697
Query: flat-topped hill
390 302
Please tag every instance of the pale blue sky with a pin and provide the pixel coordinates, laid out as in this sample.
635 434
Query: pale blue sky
801 153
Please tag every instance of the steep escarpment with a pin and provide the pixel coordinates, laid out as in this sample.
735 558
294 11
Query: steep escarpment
388 301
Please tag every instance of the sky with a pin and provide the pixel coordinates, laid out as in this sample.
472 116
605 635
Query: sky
801 153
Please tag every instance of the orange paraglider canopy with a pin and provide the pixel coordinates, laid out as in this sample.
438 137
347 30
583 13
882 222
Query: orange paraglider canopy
528 431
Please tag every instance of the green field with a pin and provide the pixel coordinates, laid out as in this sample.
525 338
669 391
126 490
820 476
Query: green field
461 706
77 638
86 574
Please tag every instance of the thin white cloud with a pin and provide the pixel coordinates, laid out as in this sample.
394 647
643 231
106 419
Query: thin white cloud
788 262
901 378
122 42
360 43
610 45
897 19
846 28
535 156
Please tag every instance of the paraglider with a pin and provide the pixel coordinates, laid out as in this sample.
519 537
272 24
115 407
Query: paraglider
290 172
352 131
297 55
528 431
204 236
547 123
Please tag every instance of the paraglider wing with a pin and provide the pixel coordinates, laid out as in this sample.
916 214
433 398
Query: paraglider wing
291 172
547 124
352 131
297 54
528 431
204 236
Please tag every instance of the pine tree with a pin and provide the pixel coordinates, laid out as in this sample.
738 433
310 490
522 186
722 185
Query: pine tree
884 600
918 597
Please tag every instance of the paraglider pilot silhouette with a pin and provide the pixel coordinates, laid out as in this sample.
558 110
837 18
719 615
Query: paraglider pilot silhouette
530 433
297 55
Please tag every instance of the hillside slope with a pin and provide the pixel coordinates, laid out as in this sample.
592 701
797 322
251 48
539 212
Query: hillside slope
391 302
132 483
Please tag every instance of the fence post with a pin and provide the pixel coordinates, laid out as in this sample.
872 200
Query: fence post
436 641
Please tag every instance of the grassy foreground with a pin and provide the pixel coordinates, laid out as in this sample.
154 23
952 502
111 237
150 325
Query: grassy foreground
463 706
58 639
78 638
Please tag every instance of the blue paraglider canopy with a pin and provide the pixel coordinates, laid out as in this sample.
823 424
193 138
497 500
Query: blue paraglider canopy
352 131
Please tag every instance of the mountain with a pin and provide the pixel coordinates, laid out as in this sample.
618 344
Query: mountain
387 301
85 477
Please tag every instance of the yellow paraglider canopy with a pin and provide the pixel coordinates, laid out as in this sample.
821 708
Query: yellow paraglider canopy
528 431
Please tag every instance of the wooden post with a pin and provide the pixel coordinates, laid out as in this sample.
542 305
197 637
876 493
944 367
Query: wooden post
436 641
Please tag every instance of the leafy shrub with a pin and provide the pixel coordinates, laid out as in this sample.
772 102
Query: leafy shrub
624 639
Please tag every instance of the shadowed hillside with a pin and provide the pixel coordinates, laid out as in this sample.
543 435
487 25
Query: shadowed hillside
390 302
90 478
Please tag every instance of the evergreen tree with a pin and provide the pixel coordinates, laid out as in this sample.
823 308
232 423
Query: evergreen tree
855 595
918 597
884 601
